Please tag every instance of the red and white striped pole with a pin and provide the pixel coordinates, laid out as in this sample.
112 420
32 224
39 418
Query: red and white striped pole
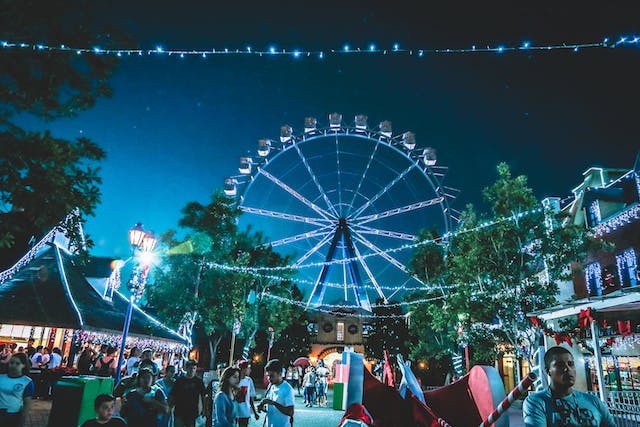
506 403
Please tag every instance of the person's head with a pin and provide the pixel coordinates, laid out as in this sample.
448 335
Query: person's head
19 365
21 349
149 366
274 371
170 372
56 350
103 348
110 351
135 352
144 378
229 379
147 354
559 365
245 368
30 342
39 349
45 350
190 367
4 348
104 406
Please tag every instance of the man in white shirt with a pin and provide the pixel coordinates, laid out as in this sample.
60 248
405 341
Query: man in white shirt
36 359
279 401
55 358
245 395
133 361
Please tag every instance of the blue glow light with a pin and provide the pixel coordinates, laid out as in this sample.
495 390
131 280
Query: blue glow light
182 55
296 53
272 49
96 49
396 46
159 49
5 44
321 55
249 49
500 49
346 48
526 45
372 47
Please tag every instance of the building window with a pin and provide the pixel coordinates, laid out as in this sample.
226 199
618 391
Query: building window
340 331
594 279
594 214
627 263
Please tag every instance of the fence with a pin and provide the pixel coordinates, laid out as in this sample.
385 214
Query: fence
625 407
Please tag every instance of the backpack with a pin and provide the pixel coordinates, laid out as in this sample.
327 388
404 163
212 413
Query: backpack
103 370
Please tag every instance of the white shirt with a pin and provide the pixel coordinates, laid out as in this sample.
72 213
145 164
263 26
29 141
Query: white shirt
36 359
131 368
56 359
13 391
244 408
283 394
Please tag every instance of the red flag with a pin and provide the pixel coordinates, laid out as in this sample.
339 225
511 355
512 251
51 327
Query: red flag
387 377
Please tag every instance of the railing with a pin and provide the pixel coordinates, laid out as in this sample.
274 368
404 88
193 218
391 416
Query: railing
625 407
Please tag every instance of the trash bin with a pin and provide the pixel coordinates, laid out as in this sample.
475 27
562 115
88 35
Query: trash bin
73 399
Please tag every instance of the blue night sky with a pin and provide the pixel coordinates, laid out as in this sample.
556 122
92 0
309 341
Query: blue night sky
175 128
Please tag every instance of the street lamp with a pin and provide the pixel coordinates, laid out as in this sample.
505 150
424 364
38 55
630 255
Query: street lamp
144 242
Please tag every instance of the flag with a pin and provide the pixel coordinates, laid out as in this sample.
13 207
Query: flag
409 380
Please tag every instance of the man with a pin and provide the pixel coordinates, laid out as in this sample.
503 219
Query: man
322 382
133 361
56 358
36 358
245 395
30 349
187 396
279 400
561 405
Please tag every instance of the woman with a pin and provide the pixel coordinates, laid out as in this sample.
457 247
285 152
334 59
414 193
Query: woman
146 405
85 361
5 357
166 384
224 410
105 366
16 391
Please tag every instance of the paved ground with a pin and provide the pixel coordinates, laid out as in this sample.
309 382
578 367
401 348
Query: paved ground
304 417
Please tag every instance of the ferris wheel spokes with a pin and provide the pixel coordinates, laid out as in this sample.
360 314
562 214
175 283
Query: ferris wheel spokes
370 274
380 252
363 229
313 250
386 188
306 235
321 222
391 212
326 215
315 181
364 174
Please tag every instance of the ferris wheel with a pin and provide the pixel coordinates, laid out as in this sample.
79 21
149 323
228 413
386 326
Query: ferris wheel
346 204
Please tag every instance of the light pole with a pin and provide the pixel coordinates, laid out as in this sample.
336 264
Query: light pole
144 242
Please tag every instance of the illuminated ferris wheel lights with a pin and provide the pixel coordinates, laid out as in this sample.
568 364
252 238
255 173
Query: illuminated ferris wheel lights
245 165
361 122
386 128
409 140
429 156
231 187
310 124
264 147
286 133
335 121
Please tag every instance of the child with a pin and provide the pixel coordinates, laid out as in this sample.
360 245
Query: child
104 406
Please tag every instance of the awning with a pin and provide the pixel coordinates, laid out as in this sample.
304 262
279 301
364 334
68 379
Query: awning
51 290
622 300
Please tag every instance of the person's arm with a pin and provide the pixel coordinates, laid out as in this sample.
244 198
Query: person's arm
157 403
533 412
252 395
26 408
607 418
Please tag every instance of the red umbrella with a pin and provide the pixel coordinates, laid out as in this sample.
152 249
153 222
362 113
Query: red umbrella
302 361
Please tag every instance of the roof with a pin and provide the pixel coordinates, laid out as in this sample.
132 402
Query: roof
622 300
50 290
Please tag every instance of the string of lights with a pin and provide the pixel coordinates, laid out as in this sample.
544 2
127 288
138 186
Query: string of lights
347 49
243 269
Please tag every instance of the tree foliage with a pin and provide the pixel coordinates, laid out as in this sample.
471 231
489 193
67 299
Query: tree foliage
43 178
387 331
191 286
499 267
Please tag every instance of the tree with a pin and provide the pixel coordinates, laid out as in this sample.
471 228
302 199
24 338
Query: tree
193 285
43 178
388 331
502 266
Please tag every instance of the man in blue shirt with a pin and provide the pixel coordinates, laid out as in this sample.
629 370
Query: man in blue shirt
561 405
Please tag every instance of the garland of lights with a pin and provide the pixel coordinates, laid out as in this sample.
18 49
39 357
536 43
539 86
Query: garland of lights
618 221
627 261
372 49
89 337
